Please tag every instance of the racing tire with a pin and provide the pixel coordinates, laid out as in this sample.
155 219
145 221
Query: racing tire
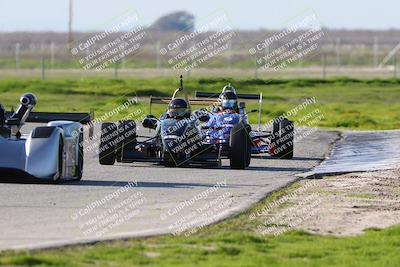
239 147
126 138
248 130
282 140
57 178
79 167
170 160
107 143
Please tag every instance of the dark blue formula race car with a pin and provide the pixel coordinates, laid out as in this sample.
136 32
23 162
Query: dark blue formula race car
218 130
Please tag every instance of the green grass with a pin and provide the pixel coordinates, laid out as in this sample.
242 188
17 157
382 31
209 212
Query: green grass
345 103
230 243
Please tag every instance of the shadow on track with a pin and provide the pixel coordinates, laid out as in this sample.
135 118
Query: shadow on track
21 179
294 158
221 168
146 184
15 176
267 169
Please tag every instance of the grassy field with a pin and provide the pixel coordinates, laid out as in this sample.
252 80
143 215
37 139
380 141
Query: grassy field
230 243
345 103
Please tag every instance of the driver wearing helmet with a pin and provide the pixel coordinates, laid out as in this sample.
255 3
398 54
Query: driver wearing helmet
177 109
228 102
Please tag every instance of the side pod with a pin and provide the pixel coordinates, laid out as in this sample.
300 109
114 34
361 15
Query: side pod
42 152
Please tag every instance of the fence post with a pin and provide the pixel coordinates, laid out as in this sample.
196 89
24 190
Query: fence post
17 48
375 48
52 52
123 63
323 59
255 68
395 65
116 70
337 48
230 55
158 63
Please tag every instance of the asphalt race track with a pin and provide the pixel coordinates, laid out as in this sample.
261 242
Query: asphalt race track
357 152
142 199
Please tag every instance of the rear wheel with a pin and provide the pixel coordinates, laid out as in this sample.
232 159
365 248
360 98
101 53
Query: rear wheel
239 147
282 141
248 130
107 143
170 160
79 167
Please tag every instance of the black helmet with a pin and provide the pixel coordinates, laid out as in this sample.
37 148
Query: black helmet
228 100
178 107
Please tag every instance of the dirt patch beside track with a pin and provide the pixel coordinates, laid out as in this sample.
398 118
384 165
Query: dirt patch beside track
339 205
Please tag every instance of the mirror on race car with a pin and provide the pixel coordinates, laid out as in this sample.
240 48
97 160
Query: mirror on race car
150 122
204 117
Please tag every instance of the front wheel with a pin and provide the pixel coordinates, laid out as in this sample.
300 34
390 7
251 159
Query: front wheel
126 138
239 147
108 138
282 142
250 143
170 159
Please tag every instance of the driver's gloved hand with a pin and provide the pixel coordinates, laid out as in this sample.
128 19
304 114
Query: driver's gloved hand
164 116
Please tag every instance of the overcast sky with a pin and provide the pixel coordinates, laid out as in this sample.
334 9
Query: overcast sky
52 15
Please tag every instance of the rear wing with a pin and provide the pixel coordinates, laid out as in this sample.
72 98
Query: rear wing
192 102
197 102
45 117
241 96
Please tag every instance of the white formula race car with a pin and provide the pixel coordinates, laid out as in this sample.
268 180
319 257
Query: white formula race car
52 153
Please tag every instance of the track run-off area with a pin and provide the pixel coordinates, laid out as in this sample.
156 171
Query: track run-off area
143 199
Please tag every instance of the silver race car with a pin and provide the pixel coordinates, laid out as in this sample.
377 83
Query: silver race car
52 153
